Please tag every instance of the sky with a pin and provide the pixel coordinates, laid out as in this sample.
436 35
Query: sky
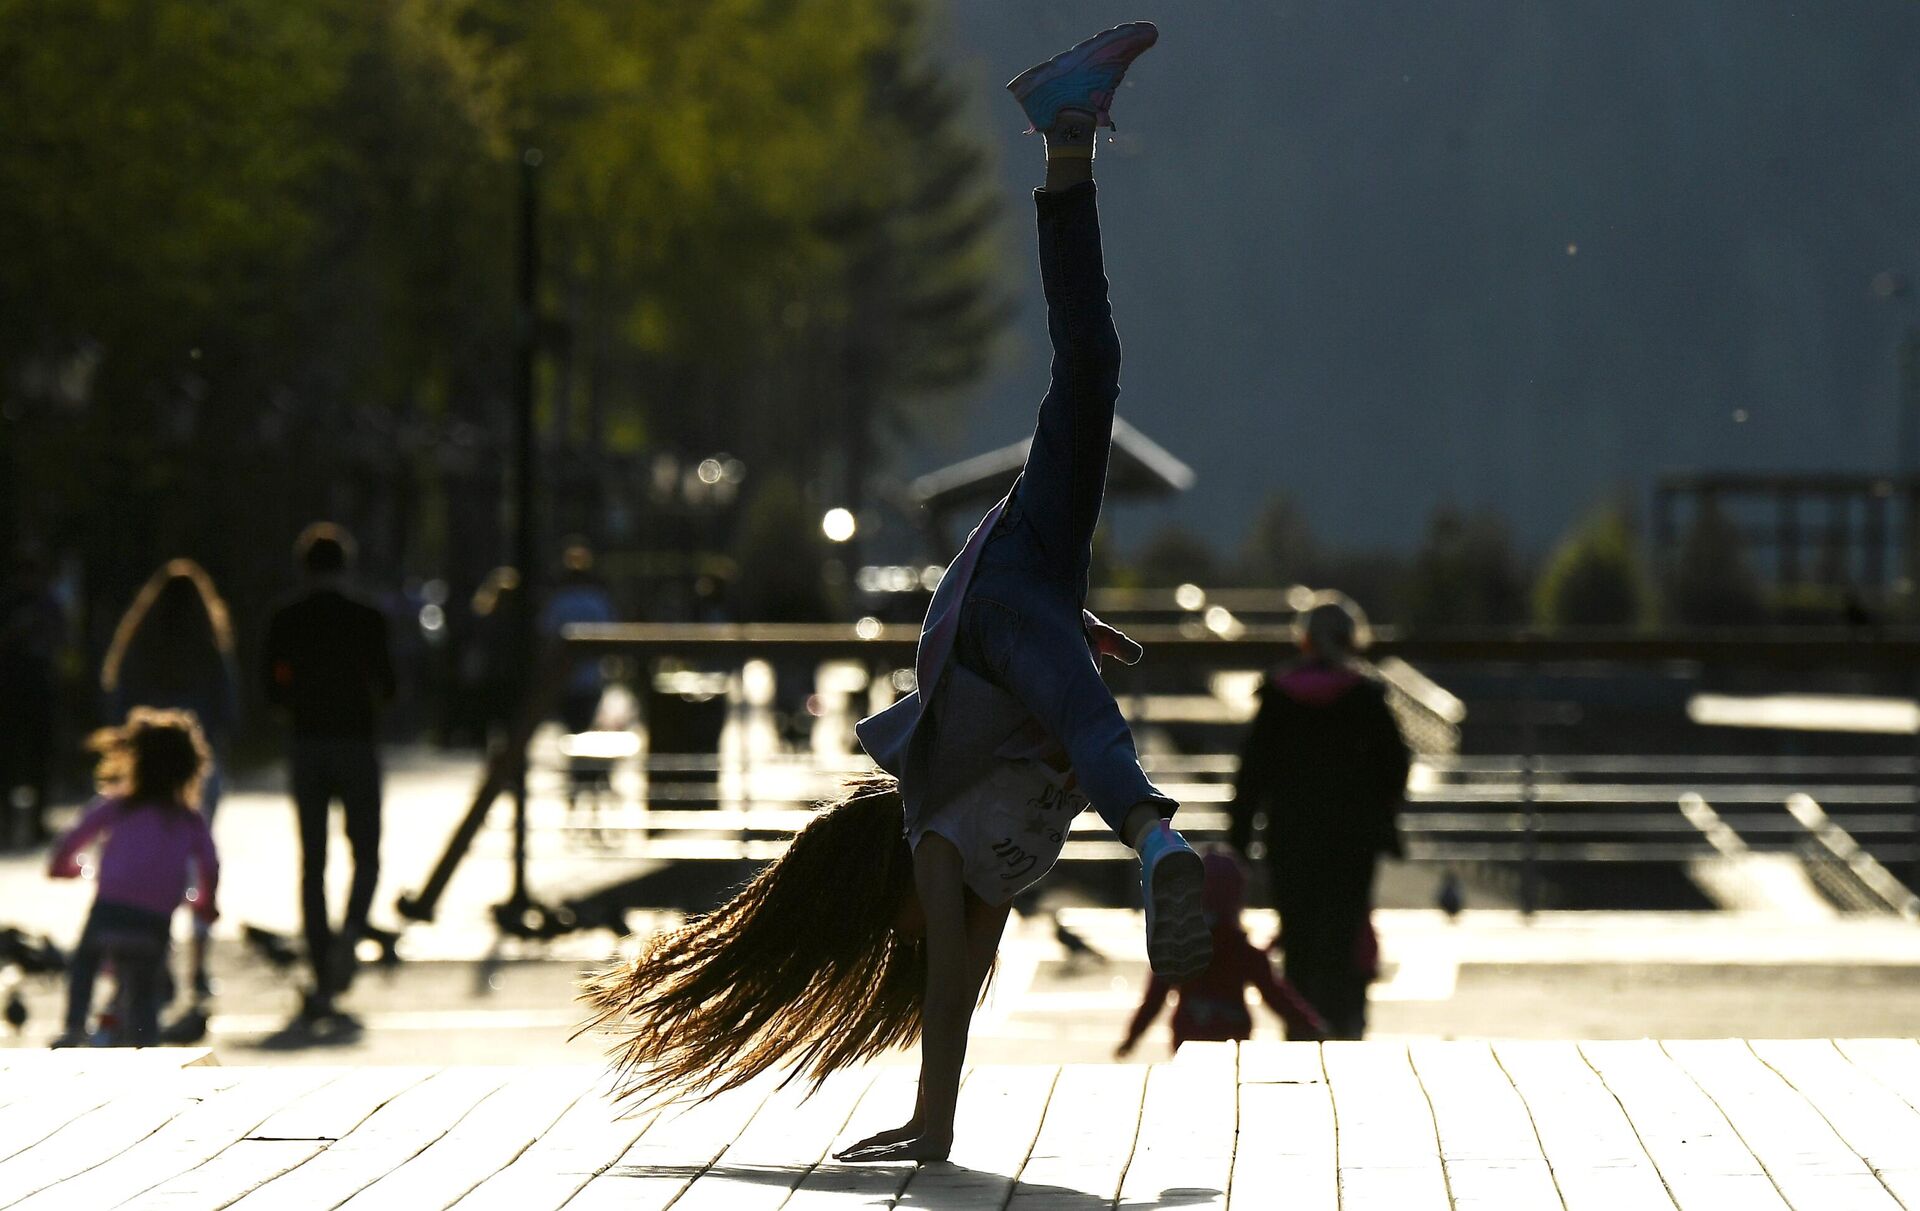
1496 254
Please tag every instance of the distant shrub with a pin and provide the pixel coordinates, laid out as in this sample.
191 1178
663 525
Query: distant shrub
1594 577
1711 583
1465 573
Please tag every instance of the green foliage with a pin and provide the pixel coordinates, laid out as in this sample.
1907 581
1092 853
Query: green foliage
1175 555
1594 577
152 161
764 225
1280 551
1279 548
780 551
259 259
1465 573
1711 583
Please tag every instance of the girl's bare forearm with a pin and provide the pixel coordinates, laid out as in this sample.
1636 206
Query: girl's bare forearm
943 1054
951 998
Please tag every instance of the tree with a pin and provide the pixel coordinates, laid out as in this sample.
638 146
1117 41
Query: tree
1465 573
1279 548
1594 577
259 258
780 552
765 224
233 270
1711 583
1175 555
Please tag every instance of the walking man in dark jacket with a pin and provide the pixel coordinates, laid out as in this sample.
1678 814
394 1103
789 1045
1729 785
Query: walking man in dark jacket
1325 762
329 668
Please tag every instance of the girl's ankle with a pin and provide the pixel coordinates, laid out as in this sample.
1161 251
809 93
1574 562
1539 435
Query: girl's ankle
1142 818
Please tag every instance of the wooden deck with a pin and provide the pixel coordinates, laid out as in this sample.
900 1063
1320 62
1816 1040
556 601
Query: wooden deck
1707 1125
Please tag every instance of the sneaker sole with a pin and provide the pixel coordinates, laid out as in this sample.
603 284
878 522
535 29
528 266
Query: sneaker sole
1178 944
1031 80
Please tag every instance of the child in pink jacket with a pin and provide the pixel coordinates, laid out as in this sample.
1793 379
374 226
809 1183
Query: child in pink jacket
1213 1005
153 845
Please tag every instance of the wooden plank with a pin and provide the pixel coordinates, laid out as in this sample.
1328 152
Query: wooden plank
1702 1159
333 1111
132 1114
485 1141
197 1133
1184 1151
231 1176
68 1062
1273 1062
788 1137
1285 1154
994 1128
1388 1153
1213 1055
834 1185
1085 1140
284 1142
1489 1150
386 1139
680 1145
45 1110
43 1090
592 1135
1895 1063
1875 1123
1811 1166
1595 1155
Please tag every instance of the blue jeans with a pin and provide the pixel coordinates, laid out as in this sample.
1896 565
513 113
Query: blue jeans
1020 625
137 940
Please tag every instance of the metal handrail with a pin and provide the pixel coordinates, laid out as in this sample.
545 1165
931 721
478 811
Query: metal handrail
1262 645
1536 789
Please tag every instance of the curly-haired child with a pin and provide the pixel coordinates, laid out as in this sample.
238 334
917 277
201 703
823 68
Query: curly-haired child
153 846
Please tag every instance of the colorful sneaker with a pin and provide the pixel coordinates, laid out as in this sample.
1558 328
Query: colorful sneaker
1171 877
1083 77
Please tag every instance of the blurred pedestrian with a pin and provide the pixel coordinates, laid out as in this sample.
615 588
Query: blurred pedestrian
489 674
154 842
173 650
30 626
329 667
1326 764
1212 1006
579 597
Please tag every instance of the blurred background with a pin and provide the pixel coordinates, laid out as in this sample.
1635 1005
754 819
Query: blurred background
1579 347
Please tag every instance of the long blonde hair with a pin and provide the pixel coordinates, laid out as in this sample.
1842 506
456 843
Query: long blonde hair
803 965
156 625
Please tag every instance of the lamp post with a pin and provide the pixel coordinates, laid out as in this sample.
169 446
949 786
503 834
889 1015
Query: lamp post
525 541
1894 287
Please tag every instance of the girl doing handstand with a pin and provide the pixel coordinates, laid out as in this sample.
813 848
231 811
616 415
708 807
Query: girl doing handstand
882 920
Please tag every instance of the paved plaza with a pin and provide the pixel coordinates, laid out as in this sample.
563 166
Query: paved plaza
1511 1063
462 994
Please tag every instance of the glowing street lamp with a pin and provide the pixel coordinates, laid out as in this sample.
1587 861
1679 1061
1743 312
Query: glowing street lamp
838 525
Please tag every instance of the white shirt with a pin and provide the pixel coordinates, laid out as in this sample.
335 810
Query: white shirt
1009 826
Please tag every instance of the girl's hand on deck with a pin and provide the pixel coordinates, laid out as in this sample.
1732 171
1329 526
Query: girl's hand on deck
881 1139
900 1144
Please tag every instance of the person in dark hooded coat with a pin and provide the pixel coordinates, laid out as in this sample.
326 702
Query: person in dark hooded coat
1326 764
